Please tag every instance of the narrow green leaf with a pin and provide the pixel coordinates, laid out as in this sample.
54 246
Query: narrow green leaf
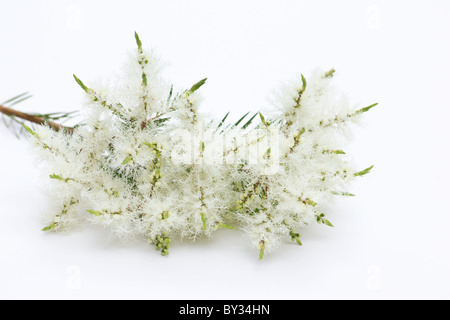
4 120
330 73
293 234
30 131
263 120
299 134
81 84
151 146
50 227
144 79
223 120
56 177
303 84
20 100
226 128
170 94
138 41
299 241
161 121
310 202
249 122
56 115
262 247
242 119
328 223
95 213
345 194
197 86
204 220
127 160
366 108
364 172
333 152
226 226
16 97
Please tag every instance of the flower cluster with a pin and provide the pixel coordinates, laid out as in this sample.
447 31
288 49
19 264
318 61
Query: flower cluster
147 163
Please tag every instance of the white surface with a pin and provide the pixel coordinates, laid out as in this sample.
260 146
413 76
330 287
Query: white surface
391 241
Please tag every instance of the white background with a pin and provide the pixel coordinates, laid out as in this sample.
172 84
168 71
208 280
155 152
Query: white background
391 241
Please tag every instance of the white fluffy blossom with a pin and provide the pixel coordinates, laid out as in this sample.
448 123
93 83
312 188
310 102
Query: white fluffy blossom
144 162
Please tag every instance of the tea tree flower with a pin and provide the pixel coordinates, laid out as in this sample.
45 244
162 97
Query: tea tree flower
146 163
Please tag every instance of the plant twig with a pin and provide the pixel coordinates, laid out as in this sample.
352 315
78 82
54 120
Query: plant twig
35 119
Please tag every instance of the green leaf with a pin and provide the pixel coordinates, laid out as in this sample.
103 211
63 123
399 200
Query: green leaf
170 94
299 134
197 86
364 172
161 121
57 177
18 99
223 120
224 129
95 213
295 237
366 108
262 247
249 122
328 223
204 220
241 119
144 79
345 194
263 120
56 115
330 73
310 202
50 227
81 84
226 226
127 159
30 131
333 152
15 98
303 84
138 41
150 145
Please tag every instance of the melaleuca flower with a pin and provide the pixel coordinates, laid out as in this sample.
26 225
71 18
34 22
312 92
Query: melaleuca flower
146 163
